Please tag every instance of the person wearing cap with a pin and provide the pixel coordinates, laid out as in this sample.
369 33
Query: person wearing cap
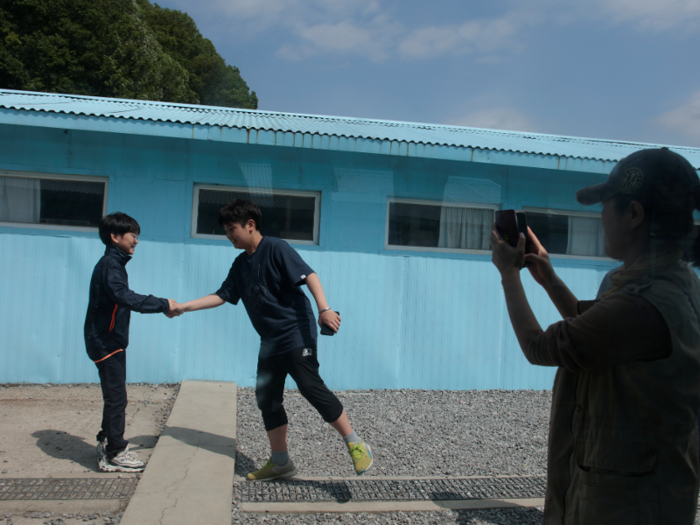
623 442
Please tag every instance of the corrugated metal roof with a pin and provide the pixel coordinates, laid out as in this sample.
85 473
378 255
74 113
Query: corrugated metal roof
408 132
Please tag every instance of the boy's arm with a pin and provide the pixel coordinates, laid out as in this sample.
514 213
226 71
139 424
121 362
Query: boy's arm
118 290
203 303
329 317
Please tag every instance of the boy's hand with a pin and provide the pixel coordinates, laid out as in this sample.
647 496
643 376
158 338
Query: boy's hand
175 309
330 319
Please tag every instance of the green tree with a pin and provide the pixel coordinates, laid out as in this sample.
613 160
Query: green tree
214 82
108 48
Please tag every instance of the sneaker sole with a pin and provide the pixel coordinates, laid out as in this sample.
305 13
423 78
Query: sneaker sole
371 460
279 476
105 466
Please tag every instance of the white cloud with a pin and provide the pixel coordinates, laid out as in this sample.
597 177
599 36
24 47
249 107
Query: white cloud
645 15
505 118
265 13
373 40
370 28
377 29
485 36
684 119
381 37
654 15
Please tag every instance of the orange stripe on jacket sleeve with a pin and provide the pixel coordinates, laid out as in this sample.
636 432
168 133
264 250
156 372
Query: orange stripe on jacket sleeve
114 314
109 355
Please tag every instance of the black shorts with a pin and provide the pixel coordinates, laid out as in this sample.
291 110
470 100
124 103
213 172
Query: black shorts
302 365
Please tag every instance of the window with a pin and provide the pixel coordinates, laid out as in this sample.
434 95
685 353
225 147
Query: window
289 215
439 226
52 201
568 233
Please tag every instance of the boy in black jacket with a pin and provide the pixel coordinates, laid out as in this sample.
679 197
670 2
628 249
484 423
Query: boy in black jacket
107 335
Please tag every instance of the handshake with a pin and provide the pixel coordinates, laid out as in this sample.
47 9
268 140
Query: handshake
176 309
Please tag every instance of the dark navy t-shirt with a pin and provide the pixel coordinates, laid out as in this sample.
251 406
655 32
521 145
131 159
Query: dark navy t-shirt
269 283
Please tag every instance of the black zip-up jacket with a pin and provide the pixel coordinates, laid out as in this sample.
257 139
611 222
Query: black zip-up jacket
111 303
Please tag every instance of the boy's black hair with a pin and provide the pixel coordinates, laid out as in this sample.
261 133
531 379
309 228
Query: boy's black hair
117 223
240 211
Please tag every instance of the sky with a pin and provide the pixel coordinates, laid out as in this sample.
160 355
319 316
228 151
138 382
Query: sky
610 69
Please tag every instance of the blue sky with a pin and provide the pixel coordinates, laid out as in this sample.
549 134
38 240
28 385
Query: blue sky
612 69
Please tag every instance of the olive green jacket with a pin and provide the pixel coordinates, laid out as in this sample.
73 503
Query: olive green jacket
623 442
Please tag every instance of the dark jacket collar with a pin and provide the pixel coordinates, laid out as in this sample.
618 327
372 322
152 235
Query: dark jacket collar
113 251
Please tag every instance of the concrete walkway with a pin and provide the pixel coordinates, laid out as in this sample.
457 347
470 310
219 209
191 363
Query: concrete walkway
189 477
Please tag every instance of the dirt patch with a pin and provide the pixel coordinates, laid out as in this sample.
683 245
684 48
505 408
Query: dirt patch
49 431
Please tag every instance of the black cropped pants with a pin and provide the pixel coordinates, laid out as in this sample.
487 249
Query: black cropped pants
302 365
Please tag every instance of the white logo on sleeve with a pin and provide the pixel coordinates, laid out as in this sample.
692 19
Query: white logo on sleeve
306 352
303 276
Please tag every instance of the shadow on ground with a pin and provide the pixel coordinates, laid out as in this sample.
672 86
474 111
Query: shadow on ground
205 440
64 446
244 465
501 516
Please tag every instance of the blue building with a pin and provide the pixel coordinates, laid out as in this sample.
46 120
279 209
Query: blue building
393 216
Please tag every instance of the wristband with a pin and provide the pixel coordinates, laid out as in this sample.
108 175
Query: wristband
324 310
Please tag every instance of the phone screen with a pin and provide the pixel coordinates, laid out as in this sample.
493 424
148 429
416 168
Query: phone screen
507 226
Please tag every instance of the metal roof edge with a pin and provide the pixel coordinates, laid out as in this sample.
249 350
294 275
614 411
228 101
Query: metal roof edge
390 123
418 128
176 130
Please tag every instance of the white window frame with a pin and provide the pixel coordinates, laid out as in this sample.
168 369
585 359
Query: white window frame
390 200
292 193
587 214
57 176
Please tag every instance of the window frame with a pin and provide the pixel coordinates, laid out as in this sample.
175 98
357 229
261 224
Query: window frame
57 176
428 249
567 213
292 193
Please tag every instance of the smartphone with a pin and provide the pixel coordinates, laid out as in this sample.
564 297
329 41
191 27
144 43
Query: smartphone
510 224
521 217
326 330
507 226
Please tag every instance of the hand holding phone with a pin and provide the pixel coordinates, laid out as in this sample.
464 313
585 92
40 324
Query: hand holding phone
327 330
510 224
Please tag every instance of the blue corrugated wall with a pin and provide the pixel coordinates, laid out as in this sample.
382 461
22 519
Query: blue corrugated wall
410 319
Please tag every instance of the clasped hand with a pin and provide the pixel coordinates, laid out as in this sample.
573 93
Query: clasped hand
176 309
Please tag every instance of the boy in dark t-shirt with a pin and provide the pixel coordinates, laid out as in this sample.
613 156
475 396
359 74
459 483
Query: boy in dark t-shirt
268 277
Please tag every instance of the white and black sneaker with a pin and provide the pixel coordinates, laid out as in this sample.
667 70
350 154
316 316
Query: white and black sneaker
102 461
124 461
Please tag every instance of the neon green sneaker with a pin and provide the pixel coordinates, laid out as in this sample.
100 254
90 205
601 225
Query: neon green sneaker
271 471
361 456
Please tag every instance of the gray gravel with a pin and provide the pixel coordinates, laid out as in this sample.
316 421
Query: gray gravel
412 432
473 517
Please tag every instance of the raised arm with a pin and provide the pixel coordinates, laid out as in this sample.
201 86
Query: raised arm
542 271
329 317
509 261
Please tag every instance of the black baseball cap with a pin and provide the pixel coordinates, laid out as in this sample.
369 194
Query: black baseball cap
649 176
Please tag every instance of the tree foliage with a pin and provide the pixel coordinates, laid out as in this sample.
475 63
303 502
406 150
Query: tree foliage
114 48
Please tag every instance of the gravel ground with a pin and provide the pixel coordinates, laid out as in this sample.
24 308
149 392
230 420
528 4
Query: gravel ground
471 517
412 432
